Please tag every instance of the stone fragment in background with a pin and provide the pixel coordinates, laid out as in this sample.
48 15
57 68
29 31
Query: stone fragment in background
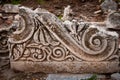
9 8
67 13
113 20
73 76
109 5
115 76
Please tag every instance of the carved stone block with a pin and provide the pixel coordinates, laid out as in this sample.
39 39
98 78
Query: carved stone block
43 43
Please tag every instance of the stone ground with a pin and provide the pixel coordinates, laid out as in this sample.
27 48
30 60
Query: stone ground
83 10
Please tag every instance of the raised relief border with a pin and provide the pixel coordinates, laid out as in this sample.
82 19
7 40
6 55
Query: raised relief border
42 43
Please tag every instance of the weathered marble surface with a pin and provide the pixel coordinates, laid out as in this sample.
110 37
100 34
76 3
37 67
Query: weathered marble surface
42 43
109 5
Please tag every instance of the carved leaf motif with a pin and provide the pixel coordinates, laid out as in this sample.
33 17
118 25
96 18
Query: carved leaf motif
18 51
43 36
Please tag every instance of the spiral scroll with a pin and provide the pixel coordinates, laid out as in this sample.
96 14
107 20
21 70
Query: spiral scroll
44 38
98 44
25 28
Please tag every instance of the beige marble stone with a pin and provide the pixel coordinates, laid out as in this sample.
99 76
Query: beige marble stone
44 44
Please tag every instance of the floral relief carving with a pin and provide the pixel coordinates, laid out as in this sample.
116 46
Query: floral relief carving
43 37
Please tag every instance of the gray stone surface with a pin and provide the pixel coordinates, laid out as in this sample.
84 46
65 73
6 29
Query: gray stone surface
9 8
115 76
73 76
109 5
113 20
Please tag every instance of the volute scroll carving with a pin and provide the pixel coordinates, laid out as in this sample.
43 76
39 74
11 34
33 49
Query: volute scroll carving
44 39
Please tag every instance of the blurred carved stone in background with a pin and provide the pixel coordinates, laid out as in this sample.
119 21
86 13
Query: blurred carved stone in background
9 8
67 15
113 20
45 44
109 5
